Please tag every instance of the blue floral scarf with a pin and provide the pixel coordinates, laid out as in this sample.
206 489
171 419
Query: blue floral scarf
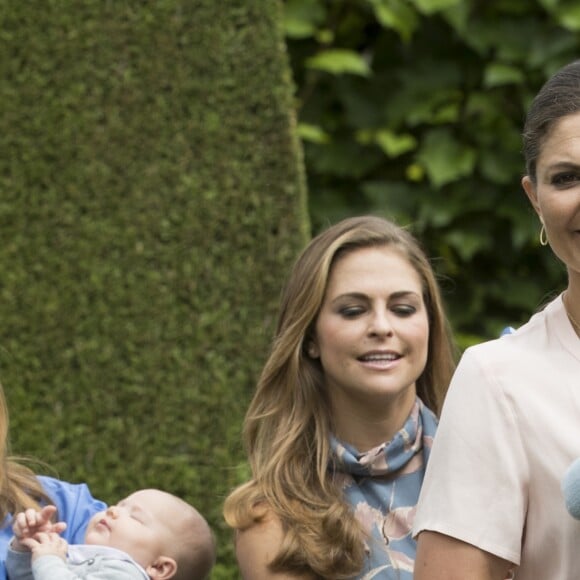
383 487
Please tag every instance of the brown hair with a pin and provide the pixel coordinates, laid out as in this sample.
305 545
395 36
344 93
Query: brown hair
287 427
559 97
19 486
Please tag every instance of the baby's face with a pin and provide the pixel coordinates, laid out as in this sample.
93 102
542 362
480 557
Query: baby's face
139 525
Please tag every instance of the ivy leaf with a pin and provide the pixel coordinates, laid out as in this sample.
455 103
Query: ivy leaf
549 5
468 243
569 16
458 17
313 133
340 61
499 166
444 159
394 145
429 7
396 15
497 74
302 18
400 198
298 29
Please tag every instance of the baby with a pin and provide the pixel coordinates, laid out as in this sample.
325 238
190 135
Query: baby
150 535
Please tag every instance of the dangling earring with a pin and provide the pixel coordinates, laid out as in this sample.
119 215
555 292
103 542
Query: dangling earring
543 236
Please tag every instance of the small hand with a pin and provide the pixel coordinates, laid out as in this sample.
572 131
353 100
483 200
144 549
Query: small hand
30 522
46 544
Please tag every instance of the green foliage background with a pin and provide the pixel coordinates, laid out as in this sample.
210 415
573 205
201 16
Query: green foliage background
413 109
151 199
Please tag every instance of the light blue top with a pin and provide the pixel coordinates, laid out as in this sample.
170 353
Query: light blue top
75 506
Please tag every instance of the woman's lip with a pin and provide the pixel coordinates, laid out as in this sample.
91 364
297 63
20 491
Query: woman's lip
379 356
380 364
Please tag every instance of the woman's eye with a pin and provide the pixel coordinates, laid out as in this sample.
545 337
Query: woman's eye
351 311
565 179
404 310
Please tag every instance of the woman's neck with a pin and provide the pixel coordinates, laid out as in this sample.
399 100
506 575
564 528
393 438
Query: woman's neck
365 428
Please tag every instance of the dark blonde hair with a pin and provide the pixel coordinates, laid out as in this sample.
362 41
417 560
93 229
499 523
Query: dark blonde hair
19 486
287 427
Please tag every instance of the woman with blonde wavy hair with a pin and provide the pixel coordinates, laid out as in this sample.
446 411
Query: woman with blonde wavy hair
339 429
21 489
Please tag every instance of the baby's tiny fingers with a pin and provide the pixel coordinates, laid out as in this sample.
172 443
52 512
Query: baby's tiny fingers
46 514
42 537
59 527
19 520
31 516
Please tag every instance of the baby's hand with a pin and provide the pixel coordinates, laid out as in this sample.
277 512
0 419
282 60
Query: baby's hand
46 544
30 522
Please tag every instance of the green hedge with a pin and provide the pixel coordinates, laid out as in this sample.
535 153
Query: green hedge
151 200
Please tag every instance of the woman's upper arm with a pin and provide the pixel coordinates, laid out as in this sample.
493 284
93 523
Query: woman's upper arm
257 546
441 557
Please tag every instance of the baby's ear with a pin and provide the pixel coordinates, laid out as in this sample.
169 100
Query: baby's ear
162 569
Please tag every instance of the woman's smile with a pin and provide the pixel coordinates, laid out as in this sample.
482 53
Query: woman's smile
371 334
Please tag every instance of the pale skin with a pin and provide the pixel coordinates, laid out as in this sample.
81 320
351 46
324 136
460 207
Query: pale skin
137 525
34 530
441 557
555 196
371 339
257 546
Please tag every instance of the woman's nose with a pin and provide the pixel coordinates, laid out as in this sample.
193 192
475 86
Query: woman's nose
380 324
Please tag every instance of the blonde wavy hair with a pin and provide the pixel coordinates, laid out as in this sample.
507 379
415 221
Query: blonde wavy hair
19 486
288 425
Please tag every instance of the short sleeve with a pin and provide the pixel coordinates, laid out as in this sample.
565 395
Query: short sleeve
475 487
75 506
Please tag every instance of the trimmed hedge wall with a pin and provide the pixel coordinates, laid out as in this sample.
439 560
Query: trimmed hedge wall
151 200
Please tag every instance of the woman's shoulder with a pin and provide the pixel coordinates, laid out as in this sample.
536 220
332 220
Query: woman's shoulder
257 546
522 344
66 492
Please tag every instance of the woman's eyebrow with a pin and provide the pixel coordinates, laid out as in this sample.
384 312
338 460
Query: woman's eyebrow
357 295
362 296
563 166
405 294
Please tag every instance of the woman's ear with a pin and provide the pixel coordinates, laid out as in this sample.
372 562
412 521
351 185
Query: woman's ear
162 569
312 349
530 189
